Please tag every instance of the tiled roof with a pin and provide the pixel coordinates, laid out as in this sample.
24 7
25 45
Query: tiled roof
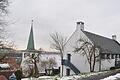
107 45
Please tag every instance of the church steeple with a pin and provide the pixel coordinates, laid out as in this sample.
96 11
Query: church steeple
30 45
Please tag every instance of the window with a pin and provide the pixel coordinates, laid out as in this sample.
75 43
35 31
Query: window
67 72
112 56
68 57
102 56
116 56
108 56
119 55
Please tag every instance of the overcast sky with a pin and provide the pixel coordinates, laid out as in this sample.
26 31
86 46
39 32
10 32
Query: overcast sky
100 16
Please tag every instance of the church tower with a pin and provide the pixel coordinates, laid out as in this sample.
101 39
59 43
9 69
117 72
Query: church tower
30 45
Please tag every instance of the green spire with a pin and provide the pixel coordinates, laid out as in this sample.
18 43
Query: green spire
30 45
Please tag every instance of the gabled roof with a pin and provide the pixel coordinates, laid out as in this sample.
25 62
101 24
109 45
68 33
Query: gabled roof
107 45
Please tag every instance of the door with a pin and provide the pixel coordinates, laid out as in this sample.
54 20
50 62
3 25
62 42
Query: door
67 72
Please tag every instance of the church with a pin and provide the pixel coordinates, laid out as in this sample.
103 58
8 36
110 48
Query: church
107 51
38 59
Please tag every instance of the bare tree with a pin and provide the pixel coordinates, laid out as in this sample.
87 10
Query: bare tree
3 7
41 49
3 12
48 65
5 48
91 51
36 59
58 43
2 57
3 33
51 63
29 65
44 64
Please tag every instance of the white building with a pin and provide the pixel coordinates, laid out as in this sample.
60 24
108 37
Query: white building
30 55
75 63
42 58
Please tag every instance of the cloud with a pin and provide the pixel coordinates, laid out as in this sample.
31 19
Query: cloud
100 16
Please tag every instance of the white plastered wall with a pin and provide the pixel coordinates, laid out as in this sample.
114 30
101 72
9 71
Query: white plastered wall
77 59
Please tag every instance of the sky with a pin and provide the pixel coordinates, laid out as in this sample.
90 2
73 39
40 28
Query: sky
99 16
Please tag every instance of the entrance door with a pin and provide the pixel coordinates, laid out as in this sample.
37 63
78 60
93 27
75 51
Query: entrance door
67 72
69 57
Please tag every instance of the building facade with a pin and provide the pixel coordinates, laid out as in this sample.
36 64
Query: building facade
37 59
75 63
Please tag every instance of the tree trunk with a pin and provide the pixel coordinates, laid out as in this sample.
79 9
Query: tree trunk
90 66
94 61
36 68
99 62
62 64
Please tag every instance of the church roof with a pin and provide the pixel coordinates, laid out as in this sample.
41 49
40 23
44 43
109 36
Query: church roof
30 45
107 45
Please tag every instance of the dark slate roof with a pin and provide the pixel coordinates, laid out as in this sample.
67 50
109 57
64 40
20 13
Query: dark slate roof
107 45
30 45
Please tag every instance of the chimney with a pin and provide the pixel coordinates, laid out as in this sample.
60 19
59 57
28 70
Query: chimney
114 37
80 26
